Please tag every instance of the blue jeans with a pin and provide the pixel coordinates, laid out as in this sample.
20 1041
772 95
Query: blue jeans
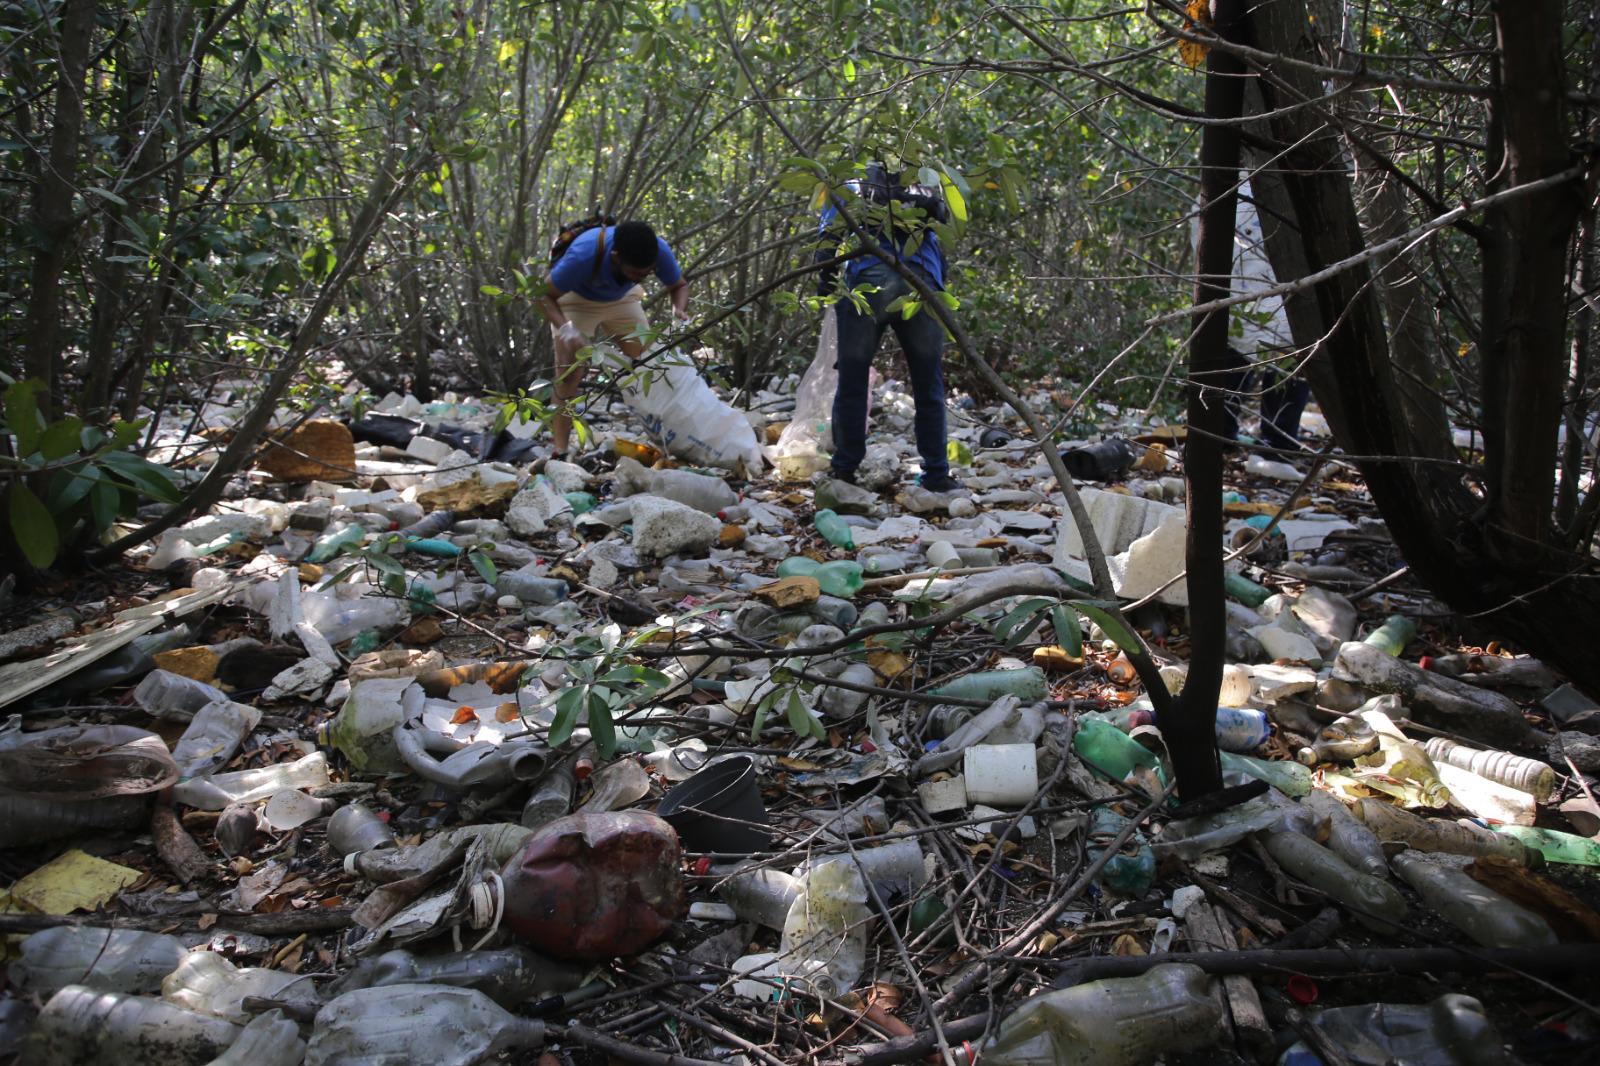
922 338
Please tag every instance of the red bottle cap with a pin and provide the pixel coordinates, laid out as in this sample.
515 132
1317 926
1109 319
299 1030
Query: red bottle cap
1302 989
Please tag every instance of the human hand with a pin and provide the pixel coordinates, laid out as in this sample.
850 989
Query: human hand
680 315
567 333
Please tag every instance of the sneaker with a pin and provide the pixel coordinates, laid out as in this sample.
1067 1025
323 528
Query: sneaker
849 478
939 482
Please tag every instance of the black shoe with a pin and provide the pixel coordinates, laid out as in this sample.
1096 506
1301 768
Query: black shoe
939 483
840 475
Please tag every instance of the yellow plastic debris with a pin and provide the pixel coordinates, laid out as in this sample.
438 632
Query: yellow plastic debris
74 881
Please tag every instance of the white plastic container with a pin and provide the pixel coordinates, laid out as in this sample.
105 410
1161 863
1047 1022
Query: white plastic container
110 960
1001 775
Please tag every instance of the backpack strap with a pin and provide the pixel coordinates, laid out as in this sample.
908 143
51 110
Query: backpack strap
599 251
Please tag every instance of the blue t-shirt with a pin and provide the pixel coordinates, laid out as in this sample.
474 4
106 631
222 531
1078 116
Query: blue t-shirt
576 271
928 258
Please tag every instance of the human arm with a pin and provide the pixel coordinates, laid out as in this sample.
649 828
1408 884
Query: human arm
679 295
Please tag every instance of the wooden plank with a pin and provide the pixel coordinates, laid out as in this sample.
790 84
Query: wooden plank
1207 931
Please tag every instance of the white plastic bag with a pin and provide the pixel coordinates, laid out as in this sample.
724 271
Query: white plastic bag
811 428
680 410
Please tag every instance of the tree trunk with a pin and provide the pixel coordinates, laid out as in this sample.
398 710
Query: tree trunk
53 216
1191 732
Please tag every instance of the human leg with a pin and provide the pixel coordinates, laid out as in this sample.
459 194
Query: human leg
1281 407
922 339
859 333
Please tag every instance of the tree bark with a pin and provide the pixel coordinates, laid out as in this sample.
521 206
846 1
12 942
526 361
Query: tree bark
53 217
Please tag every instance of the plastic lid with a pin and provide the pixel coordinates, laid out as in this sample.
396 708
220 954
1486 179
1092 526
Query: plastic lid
350 862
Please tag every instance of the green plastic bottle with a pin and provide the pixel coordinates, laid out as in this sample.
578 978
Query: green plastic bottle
1290 778
331 544
582 502
1396 632
1132 870
1554 845
841 577
1244 590
1109 750
1027 684
835 530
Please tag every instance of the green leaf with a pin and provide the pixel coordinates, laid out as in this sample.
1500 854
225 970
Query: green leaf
759 719
68 487
958 452
1011 629
22 414
1105 614
567 705
61 438
483 565
602 727
819 197
799 718
491 290
910 308
849 70
147 477
104 502
107 194
1069 634
952 195
32 526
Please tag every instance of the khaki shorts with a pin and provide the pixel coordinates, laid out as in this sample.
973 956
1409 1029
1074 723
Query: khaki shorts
613 318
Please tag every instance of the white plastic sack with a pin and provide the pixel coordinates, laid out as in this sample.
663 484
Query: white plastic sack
680 410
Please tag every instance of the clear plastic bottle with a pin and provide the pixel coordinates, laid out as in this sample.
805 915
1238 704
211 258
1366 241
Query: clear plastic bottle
1390 824
509 976
835 530
841 703
1348 836
1396 632
1290 778
1555 846
436 1024
1345 740
111 960
551 797
1027 684
213 736
355 828
1241 729
430 525
340 618
700 491
1502 767
1375 903
397 864
1483 914
761 895
175 697
363 730
1126 1021
333 542
82 1025
829 923
840 577
207 983
1403 767
833 610
531 588
1453 1029
884 561
269 1040
220 791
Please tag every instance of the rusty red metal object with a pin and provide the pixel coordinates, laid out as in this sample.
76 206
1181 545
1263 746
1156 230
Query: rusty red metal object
596 886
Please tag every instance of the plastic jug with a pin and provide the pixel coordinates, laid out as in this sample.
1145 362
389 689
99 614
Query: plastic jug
1127 1021
82 1025
437 1024
1375 903
1483 914
113 960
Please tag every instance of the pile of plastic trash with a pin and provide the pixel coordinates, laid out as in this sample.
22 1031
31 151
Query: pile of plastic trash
424 746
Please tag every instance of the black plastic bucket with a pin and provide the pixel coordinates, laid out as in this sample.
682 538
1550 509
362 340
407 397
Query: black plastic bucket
719 809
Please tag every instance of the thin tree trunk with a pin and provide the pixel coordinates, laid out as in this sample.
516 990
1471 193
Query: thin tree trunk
52 206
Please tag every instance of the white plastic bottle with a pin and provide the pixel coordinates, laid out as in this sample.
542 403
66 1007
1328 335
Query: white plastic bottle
435 1024
213 737
111 960
82 1025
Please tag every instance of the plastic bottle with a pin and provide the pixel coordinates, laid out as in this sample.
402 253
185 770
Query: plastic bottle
207 983
943 554
220 791
363 730
1240 729
1514 771
701 491
1027 684
761 895
834 611
1132 870
175 697
1396 632
1487 800
531 588
1375 903
332 543
510 976
1191 838
1128 1021
32 820
1483 914
883 561
1290 778
126 663
1348 836
1244 590
269 1040
82 1025
439 549
840 577
339 618
1452 1029
895 870
354 828
842 703
834 530
397 864
551 797
430 525
1555 846
1110 751
1345 740
213 736
1390 824
111 960
1404 769
828 922
436 1024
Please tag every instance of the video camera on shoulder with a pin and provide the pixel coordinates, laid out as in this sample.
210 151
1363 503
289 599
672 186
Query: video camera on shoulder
883 186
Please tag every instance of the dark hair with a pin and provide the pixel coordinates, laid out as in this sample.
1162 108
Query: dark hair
636 243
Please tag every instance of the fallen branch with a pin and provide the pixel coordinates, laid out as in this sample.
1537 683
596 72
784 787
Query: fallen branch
176 847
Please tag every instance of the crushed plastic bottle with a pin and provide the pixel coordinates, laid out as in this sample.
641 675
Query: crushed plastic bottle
437 1024
1391 824
332 543
175 697
1132 870
551 797
82 1025
760 895
110 960
220 791
1554 845
1127 1021
1375 903
1345 740
835 530
1027 684
1451 1031
207 983
213 737
1396 632
839 577
1403 768
510 976
269 1040
355 828
829 923
363 730
531 588
1482 913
